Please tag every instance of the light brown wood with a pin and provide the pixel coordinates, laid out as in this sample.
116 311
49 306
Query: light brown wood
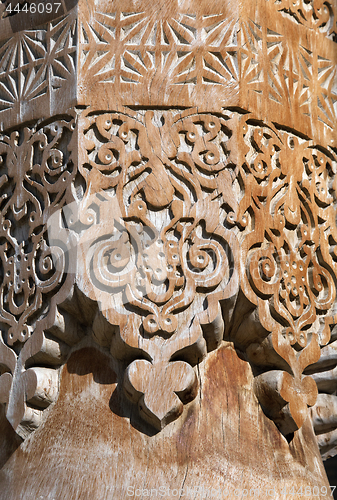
93 445
167 200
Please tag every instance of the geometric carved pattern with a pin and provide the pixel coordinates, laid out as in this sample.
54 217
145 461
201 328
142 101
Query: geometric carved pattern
150 52
36 62
144 53
293 76
140 47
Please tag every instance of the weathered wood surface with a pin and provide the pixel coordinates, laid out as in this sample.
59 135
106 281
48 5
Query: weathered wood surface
93 445
167 201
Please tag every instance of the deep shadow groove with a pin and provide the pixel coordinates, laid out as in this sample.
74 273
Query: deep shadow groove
9 440
108 371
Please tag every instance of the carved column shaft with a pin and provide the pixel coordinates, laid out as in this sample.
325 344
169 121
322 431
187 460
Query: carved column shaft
167 247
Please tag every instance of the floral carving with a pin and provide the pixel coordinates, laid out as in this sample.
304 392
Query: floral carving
158 257
181 210
36 175
287 271
169 197
313 14
184 213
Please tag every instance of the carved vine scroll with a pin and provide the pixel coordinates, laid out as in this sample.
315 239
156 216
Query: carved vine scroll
287 251
37 170
159 269
314 14
171 196
182 210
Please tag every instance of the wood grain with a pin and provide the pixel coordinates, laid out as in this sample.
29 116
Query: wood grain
97 447
168 248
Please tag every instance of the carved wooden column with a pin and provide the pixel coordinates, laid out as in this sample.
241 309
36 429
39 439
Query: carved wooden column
168 255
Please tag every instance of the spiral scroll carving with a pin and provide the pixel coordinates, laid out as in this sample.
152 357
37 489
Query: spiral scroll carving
36 175
287 251
181 211
156 247
189 228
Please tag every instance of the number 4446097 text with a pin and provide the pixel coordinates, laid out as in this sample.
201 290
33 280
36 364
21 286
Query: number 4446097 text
32 8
